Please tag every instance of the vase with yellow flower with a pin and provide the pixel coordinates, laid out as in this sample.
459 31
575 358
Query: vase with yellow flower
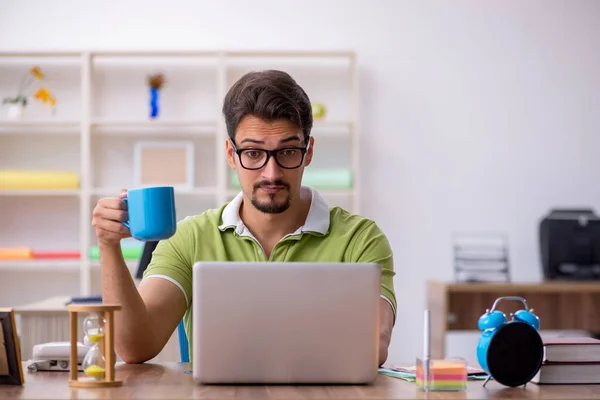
16 105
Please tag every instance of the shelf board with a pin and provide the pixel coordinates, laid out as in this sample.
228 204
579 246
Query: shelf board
291 54
153 53
240 61
144 123
205 191
336 192
40 127
131 265
153 127
41 123
181 53
323 192
332 128
49 54
32 265
40 192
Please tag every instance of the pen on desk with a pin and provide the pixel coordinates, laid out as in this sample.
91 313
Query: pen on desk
426 350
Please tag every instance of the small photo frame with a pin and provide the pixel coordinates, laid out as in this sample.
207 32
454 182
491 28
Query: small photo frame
164 163
11 369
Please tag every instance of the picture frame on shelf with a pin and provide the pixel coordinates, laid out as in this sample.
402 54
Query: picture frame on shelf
168 162
11 368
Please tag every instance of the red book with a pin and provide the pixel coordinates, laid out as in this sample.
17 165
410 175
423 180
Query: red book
571 349
61 255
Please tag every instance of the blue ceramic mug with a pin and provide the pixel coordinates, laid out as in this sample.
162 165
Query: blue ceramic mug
151 213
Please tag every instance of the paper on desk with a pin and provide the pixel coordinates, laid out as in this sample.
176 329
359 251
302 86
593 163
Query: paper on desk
413 369
407 376
409 373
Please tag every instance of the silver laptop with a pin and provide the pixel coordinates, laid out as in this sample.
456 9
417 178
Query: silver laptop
285 323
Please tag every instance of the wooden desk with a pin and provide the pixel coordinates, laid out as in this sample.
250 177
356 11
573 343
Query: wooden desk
169 381
559 305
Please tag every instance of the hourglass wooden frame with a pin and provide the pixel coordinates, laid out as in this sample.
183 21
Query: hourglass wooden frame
105 311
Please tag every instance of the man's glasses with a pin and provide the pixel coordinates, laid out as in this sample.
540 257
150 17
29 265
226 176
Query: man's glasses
288 158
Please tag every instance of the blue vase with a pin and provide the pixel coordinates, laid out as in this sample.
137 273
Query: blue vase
154 92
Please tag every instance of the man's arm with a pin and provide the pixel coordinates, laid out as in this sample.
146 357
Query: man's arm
370 245
149 314
386 324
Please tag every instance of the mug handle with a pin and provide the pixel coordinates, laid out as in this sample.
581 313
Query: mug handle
126 223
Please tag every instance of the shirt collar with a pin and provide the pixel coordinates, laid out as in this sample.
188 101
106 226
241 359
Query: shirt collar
317 220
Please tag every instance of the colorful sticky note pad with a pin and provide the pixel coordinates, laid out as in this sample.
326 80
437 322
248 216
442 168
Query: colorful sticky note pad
448 375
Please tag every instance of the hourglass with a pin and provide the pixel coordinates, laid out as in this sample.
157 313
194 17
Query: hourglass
94 362
99 362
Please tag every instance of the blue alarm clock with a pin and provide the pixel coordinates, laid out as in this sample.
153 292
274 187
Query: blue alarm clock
510 351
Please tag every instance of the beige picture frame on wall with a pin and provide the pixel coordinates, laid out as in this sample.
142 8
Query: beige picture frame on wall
164 163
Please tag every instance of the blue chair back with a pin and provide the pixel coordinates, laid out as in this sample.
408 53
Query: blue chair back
184 352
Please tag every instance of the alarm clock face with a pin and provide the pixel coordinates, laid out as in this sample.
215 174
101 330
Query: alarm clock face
515 354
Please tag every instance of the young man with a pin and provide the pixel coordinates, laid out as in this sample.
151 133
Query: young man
269 121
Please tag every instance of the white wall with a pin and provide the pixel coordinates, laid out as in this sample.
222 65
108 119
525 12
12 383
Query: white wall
477 115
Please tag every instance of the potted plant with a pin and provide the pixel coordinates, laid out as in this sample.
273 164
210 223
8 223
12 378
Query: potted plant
16 105
156 83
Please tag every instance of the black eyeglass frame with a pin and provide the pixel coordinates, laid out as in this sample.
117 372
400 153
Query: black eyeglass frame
270 153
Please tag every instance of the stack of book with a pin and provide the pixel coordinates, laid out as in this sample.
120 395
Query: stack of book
570 360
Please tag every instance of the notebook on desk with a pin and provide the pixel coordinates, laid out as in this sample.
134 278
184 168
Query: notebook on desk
571 349
568 373
570 360
92 299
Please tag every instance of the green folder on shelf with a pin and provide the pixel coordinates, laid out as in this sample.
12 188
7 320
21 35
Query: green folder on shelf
132 252
325 178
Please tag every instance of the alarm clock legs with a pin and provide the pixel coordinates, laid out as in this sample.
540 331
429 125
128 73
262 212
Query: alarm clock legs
486 380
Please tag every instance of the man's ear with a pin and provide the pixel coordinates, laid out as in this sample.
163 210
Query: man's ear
309 152
230 154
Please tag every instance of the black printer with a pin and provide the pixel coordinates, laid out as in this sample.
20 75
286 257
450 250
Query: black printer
570 245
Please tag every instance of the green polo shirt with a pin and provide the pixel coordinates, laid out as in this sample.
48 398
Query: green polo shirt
330 234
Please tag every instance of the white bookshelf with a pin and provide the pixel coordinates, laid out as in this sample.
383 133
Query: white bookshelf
102 112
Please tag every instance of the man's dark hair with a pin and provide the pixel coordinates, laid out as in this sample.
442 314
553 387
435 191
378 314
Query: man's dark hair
269 95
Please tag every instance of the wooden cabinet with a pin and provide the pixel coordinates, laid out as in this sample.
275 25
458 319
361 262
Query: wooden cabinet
559 305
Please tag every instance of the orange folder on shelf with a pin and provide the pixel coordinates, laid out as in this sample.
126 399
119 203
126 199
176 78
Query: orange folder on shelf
15 253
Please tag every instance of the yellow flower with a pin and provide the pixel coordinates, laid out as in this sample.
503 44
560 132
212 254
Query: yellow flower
37 72
45 96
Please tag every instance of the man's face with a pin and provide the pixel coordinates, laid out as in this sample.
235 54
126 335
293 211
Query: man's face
271 187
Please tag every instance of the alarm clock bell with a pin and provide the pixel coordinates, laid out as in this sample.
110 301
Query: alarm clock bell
510 351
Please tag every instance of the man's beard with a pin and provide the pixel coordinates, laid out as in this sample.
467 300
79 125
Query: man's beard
271 207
